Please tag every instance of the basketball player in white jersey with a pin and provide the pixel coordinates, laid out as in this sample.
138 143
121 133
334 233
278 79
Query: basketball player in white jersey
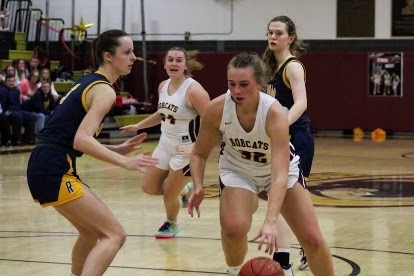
255 155
181 102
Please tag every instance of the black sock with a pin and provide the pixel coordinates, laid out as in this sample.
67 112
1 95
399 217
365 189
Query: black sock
282 258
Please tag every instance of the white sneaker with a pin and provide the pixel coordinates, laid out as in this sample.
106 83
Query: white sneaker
288 270
303 261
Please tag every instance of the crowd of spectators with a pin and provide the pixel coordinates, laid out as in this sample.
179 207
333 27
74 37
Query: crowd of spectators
27 99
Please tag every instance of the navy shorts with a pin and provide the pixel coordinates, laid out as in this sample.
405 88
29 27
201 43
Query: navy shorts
52 178
305 148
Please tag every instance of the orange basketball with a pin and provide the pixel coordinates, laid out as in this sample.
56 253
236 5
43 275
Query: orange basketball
261 266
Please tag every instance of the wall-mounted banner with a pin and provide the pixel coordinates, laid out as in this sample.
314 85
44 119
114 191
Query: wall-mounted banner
385 74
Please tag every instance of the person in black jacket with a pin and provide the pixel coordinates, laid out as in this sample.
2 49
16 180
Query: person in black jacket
5 132
42 101
16 115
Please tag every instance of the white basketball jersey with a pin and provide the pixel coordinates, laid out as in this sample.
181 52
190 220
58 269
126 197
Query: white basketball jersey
179 124
247 152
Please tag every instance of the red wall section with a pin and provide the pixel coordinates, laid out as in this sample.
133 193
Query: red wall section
338 94
337 87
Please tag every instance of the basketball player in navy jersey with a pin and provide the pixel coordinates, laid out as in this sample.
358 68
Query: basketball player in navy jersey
254 133
287 85
69 133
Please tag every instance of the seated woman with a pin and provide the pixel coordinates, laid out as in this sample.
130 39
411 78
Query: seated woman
45 76
28 88
21 71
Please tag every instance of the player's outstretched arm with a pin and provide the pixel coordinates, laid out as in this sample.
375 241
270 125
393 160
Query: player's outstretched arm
129 145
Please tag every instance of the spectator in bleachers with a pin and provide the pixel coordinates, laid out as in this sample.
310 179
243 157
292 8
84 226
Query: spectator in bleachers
21 71
16 115
29 86
2 75
45 76
42 101
4 14
9 70
5 132
34 64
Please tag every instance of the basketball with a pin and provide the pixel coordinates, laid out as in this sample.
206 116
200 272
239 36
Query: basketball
261 266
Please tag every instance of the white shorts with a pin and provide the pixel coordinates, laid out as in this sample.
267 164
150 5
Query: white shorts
232 178
169 158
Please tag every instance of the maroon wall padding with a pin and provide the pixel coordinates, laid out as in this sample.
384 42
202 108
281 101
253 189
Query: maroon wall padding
337 88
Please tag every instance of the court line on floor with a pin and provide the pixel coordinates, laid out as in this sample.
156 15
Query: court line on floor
356 269
119 266
71 234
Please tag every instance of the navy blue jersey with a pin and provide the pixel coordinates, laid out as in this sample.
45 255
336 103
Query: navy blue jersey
64 122
283 93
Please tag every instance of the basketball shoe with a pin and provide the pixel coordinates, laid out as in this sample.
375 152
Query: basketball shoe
168 230
303 261
288 270
185 194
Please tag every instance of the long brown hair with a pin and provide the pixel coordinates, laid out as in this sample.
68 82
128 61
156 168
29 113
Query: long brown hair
297 47
107 41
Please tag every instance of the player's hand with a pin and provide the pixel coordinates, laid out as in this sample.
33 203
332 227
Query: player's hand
267 235
195 200
141 162
129 128
185 150
131 144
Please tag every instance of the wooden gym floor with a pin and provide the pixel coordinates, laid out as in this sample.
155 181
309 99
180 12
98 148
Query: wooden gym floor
363 193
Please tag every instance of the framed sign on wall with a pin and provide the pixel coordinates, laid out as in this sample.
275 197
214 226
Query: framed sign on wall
355 18
385 74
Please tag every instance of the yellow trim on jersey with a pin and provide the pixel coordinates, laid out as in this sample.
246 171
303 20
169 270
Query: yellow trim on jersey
271 90
69 159
86 90
285 79
101 73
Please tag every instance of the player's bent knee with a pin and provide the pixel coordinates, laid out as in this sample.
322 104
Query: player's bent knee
235 228
119 237
151 190
122 239
313 244
116 235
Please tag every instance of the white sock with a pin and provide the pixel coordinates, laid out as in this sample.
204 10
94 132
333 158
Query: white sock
184 190
286 250
233 270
